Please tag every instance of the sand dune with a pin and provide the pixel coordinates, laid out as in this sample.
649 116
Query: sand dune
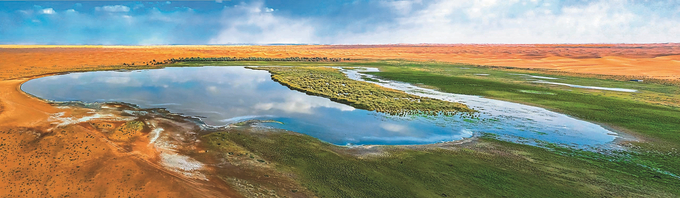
653 60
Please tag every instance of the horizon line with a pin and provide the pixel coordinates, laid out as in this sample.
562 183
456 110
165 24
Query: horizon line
311 44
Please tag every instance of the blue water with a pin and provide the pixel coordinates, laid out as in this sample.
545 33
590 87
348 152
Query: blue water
224 95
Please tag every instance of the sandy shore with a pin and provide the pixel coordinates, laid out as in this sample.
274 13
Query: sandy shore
40 158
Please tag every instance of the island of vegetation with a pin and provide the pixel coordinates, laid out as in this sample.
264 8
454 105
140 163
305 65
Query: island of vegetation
333 84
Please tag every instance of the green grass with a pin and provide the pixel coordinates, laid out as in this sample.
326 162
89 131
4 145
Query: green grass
658 124
333 84
649 92
489 169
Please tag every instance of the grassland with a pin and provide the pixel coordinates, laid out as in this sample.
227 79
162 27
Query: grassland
333 84
655 124
656 92
488 168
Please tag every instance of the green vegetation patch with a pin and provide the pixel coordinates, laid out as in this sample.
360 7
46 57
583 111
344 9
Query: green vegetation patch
648 91
335 85
489 168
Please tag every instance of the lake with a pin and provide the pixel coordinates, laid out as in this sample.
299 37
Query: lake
227 95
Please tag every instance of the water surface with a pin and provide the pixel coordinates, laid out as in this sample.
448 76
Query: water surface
586 87
224 95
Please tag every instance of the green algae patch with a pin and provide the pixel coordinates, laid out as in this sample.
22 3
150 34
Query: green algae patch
333 84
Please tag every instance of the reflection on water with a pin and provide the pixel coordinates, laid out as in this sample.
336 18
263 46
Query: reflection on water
223 95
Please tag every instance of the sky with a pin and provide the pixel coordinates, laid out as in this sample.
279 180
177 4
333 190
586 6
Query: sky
339 22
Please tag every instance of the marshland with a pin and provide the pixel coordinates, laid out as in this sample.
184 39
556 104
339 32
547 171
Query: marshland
461 164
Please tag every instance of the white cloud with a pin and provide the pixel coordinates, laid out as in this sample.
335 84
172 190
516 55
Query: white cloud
138 6
481 21
394 127
248 23
491 21
48 11
113 8
388 21
25 12
117 80
212 89
299 103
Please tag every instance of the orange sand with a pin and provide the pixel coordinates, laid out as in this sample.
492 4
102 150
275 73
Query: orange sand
79 162
655 61
75 160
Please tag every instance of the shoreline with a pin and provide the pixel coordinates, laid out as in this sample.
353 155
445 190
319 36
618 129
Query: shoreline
620 140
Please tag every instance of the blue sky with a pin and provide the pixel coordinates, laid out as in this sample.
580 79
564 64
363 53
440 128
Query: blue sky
339 22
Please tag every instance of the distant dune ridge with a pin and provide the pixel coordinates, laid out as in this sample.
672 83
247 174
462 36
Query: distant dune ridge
660 61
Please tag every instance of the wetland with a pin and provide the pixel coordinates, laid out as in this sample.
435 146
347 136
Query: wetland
256 155
357 113
98 150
